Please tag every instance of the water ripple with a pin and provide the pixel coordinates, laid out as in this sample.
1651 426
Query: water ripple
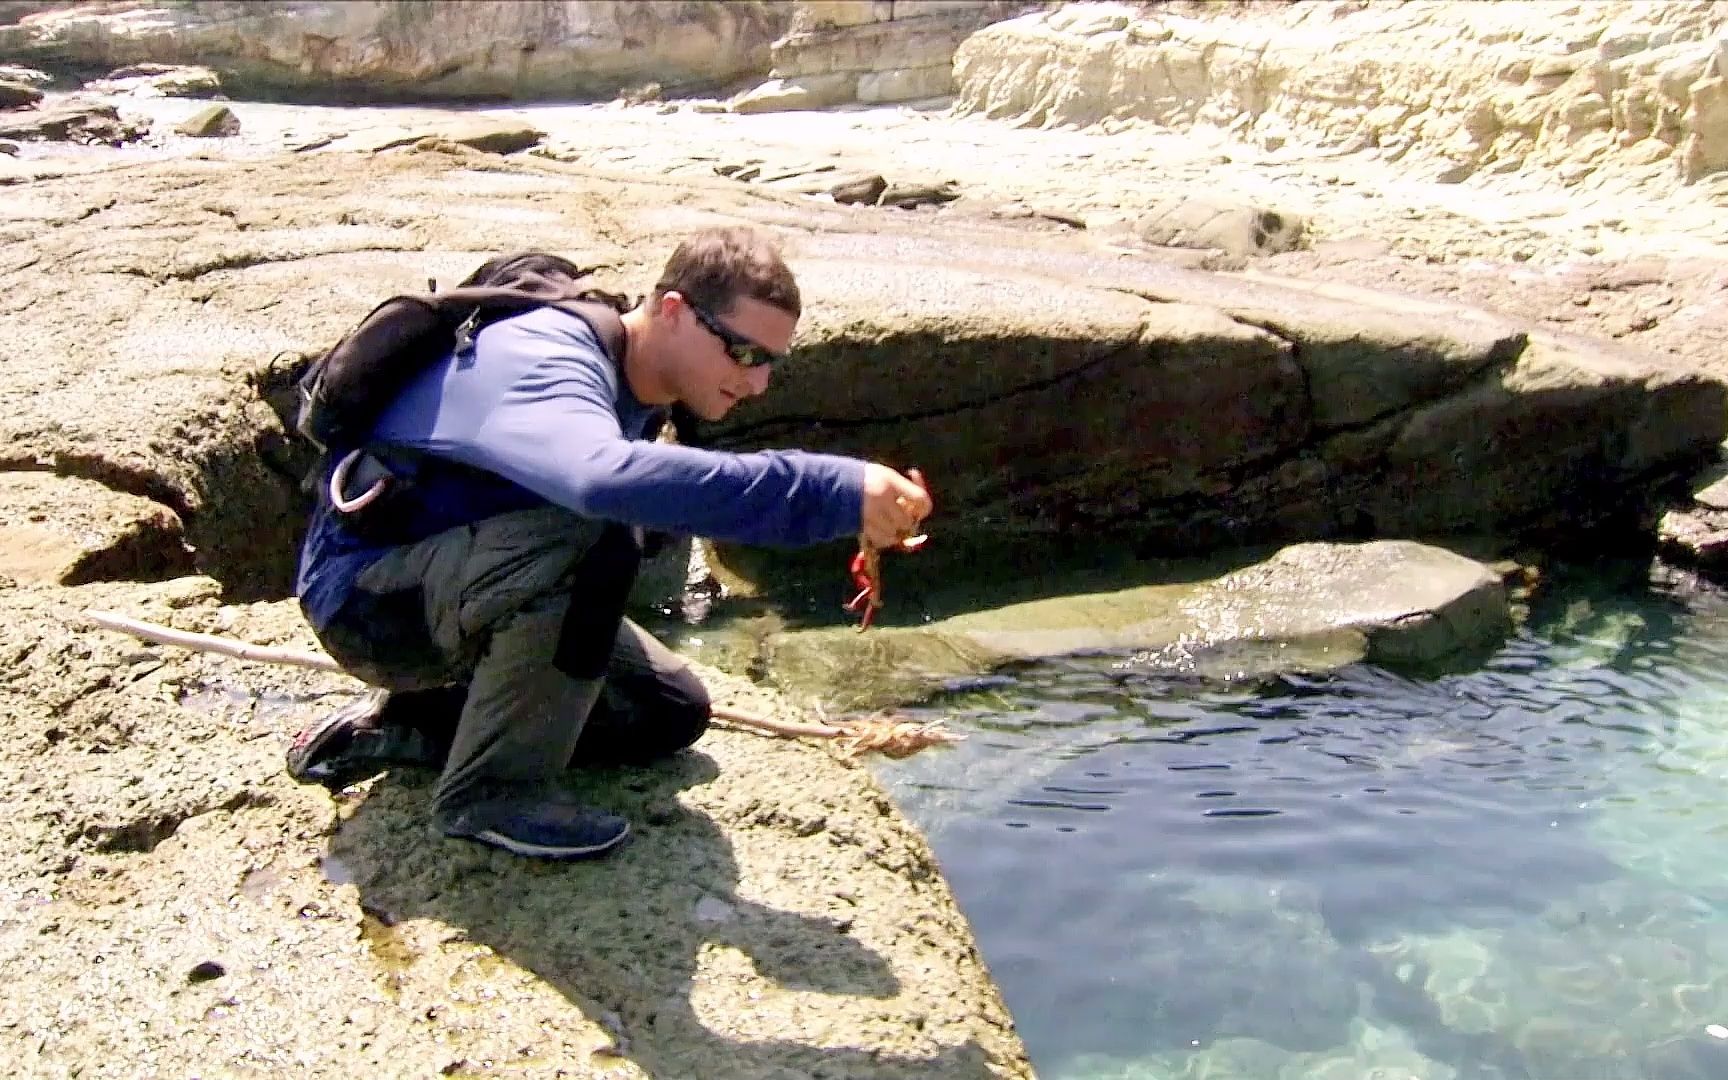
1512 873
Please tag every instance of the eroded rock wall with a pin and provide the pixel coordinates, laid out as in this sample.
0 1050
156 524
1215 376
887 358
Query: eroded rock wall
1045 388
523 49
1618 86
875 51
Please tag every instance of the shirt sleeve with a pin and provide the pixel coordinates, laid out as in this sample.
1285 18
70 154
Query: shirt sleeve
555 431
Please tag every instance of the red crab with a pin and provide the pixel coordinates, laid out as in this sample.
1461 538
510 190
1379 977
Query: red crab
866 569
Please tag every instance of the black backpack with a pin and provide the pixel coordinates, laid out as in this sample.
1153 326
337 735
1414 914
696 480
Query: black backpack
343 392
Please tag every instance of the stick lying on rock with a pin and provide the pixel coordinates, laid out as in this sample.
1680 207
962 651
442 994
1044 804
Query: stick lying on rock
880 732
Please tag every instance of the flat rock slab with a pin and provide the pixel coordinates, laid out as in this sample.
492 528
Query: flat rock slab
1310 607
772 915
1414 604
1042 384
1228 227
92 123
492 136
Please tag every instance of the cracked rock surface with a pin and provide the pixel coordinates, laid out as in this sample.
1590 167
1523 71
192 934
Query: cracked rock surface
171 903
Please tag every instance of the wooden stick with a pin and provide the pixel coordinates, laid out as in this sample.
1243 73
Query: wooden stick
187 639
769 726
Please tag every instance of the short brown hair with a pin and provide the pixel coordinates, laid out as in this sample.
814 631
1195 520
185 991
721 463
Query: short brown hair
716 266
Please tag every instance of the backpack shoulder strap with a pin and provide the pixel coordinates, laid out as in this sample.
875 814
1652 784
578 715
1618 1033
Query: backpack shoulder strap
605 322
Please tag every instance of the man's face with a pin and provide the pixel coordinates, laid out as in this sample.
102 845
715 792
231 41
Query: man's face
708 380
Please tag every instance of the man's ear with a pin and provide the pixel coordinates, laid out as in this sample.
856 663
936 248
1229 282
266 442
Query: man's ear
670 304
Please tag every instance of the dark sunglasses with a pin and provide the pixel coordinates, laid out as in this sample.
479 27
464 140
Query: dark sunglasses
743 351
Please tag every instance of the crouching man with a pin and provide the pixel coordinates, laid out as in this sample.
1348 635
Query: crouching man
492 625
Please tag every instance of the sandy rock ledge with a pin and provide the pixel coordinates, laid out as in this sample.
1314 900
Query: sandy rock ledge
174 905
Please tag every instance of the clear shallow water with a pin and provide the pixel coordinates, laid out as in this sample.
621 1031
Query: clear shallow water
1520 872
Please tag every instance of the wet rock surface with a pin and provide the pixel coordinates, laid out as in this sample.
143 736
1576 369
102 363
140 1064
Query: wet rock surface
1309 607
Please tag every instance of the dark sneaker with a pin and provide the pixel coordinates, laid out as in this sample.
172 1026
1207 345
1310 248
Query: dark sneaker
310 753
541 830
349 745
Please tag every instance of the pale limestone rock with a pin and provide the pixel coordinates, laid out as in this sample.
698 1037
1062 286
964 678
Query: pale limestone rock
1697 534
922 41
1712 488
905 84
160 80
835 14
1491 87
1209 223
89 123
496 136
1086 20
897 52
1706 147
490 48
28 76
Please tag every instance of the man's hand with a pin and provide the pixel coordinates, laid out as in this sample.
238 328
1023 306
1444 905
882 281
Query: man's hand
894 505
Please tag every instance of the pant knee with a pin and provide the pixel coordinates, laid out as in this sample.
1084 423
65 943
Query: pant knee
641 727
688 711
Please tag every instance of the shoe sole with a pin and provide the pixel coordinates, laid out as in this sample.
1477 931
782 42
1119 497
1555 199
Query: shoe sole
559 852
302 762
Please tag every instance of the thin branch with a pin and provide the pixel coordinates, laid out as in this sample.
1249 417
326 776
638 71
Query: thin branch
244 650
186 639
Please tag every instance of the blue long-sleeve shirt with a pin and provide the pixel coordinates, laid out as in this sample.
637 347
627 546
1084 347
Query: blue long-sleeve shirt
541 409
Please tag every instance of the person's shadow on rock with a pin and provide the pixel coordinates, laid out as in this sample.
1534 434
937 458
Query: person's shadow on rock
620 937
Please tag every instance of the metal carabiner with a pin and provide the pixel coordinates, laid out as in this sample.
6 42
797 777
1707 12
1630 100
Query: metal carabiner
339 483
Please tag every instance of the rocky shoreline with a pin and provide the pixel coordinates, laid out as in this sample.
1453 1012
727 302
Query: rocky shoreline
1476 364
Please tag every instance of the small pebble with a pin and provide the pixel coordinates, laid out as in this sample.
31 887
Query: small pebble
205 970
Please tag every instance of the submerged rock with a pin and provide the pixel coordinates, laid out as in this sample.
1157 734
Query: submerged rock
1696 533
1414 605
1313 606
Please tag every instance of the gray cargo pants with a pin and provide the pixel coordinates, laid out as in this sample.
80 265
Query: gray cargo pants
524 611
